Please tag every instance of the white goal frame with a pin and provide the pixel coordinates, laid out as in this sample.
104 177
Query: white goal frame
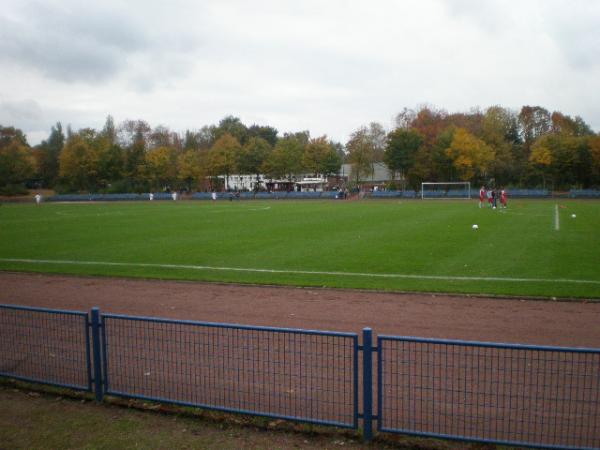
466 184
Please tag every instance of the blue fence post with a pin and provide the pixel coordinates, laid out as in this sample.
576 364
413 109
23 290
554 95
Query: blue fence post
97 352
367 384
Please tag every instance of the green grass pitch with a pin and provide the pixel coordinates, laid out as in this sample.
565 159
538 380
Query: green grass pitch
533 248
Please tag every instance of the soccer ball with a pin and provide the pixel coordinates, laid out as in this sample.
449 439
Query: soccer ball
573 216
475 227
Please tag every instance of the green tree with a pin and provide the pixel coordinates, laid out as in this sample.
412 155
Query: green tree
223 156
202 139
401 150
563 159
303 137
135 162
8 135
497 131
110 159
48 154
572 161
78 165
535 122
162 136
320 157
285 160
191 168
361 152
89 161
161 167
332 162
17 164
583 173
267 133
132 136
378 138
541 159
109 131
232 126
252 156
594 149
131 131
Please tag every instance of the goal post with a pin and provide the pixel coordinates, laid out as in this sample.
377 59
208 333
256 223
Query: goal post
446 190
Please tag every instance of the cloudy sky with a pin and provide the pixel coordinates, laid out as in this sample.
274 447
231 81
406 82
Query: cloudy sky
326 66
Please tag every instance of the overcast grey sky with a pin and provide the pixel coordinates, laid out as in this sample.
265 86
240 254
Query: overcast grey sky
326 66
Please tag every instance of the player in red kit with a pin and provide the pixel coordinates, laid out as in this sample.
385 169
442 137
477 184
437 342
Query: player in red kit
503 198
481 196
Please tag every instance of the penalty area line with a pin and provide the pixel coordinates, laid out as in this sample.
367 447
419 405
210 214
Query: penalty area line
301 272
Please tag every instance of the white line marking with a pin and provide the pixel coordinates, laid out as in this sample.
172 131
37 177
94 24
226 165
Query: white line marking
75 214
556 220
235 210
301 272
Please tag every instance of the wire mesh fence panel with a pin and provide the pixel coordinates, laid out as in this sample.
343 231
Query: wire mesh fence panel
527 395
45 346
294 374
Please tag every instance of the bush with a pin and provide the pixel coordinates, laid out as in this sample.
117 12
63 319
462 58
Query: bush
14 189
393 186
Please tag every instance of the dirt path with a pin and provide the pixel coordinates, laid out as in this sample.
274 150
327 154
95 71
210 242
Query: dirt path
451 317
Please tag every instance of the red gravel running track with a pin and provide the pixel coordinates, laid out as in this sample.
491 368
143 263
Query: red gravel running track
439 316
150 360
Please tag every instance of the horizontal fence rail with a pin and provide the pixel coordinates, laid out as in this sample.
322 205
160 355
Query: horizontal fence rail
44 345
301 375
506 394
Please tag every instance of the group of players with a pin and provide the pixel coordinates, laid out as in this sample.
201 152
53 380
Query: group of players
492 197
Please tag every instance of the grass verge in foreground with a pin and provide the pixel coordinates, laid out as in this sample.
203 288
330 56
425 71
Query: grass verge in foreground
38 419
534 248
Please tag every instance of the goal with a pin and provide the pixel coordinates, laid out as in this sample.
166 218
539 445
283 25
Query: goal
448 190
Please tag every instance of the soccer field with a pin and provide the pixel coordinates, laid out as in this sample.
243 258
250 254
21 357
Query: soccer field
533 248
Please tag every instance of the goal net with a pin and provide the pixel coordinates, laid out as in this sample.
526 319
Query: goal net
450 190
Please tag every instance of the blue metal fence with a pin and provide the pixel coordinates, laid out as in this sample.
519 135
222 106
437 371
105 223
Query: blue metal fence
584 193
44 345
485 392
309 376
497 393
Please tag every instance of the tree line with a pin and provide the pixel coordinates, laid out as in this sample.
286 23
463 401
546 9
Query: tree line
529 148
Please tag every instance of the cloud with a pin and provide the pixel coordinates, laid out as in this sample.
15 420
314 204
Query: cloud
576 31
26 112
326 66
86 42
489 16
64 44
26 115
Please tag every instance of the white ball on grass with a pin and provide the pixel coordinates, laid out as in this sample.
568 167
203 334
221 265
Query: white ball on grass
475 227
573 216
